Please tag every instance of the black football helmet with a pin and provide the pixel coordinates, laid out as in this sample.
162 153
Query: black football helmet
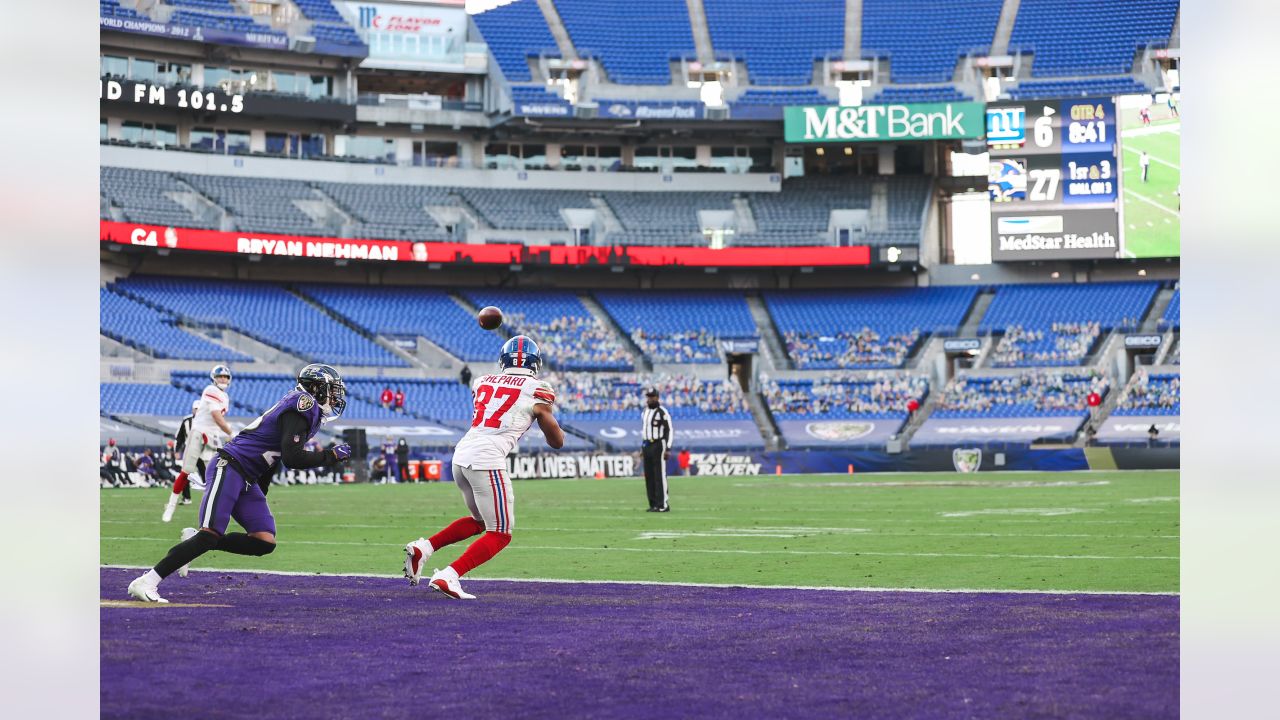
324 384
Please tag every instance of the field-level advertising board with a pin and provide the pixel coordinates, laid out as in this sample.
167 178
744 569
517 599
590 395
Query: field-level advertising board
1054 179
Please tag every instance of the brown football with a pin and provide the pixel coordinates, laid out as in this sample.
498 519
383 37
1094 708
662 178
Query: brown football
490 318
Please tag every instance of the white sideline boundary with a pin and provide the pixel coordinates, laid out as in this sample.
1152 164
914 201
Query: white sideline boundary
711 551
984 591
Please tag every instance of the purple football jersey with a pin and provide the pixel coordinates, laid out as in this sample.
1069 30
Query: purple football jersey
389 449
257 447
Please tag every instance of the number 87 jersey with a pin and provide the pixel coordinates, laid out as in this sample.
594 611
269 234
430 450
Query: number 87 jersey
503 411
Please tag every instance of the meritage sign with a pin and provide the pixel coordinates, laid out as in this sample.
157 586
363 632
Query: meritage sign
927 121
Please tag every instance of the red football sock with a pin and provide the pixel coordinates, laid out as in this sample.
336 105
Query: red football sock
180 484
480 552
457 531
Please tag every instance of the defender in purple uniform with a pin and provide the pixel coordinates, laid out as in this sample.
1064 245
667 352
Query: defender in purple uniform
237 483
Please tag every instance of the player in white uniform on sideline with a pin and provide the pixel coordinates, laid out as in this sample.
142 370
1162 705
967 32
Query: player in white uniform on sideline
506 404
209 431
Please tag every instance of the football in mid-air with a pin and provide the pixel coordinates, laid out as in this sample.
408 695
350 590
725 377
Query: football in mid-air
490 318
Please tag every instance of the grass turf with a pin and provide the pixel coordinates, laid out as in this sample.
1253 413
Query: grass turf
1152 219
1099 531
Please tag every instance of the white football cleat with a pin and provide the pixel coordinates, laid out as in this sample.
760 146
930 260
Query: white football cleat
169 506
446 583
187 534
145 591
415 554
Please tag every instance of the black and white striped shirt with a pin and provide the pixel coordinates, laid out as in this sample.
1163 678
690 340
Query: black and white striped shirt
656 425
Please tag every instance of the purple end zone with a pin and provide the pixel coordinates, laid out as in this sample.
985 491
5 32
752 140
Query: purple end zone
346 647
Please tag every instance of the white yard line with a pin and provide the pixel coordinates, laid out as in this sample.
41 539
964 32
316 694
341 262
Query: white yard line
710 551
990 591
1139 196
765 531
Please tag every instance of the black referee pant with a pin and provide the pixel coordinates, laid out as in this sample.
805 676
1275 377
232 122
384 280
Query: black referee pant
655 474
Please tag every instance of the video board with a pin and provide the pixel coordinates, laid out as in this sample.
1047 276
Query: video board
1053 180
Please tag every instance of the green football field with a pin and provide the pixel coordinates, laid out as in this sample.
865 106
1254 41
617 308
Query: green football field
1152 214
1097 531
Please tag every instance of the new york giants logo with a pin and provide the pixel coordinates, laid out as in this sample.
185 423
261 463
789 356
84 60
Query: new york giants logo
1005 126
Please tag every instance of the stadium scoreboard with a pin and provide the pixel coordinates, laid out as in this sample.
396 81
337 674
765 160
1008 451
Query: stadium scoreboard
1053 180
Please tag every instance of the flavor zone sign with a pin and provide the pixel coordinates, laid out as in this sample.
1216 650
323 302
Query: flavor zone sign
171 238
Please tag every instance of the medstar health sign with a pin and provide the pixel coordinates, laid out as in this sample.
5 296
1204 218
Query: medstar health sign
926 121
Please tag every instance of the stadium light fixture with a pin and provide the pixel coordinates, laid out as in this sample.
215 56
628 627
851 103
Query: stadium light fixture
975 276
822 151
1055 274
1142 273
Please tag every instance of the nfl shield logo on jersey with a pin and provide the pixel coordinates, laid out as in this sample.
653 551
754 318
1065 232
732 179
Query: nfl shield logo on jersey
966 460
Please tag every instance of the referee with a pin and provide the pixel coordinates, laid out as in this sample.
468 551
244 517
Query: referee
657 432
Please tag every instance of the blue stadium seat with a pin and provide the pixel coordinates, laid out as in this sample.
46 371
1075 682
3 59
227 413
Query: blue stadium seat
680 327
1047 89
799 215
569 336
919 94
145 399
634 41
1089 37
845 397
1058 324
620 397
265 312
319 10
1031 393
864 328
1172 317
1152 394
778 41
514 32
154 332
924 39
112 8
229 23
408 311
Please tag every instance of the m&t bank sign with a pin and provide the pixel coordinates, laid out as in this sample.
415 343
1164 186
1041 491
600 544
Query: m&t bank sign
926 121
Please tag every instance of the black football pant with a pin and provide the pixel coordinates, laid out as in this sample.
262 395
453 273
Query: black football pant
655 474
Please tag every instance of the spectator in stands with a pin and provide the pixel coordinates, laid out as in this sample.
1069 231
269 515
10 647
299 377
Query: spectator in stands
1034 391
387 398
399 400
1153 434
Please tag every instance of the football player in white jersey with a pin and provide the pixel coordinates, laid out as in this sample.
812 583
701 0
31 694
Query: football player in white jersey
209 431
506 404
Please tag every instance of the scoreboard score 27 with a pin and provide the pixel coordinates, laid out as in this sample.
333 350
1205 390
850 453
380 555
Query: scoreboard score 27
1053 179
